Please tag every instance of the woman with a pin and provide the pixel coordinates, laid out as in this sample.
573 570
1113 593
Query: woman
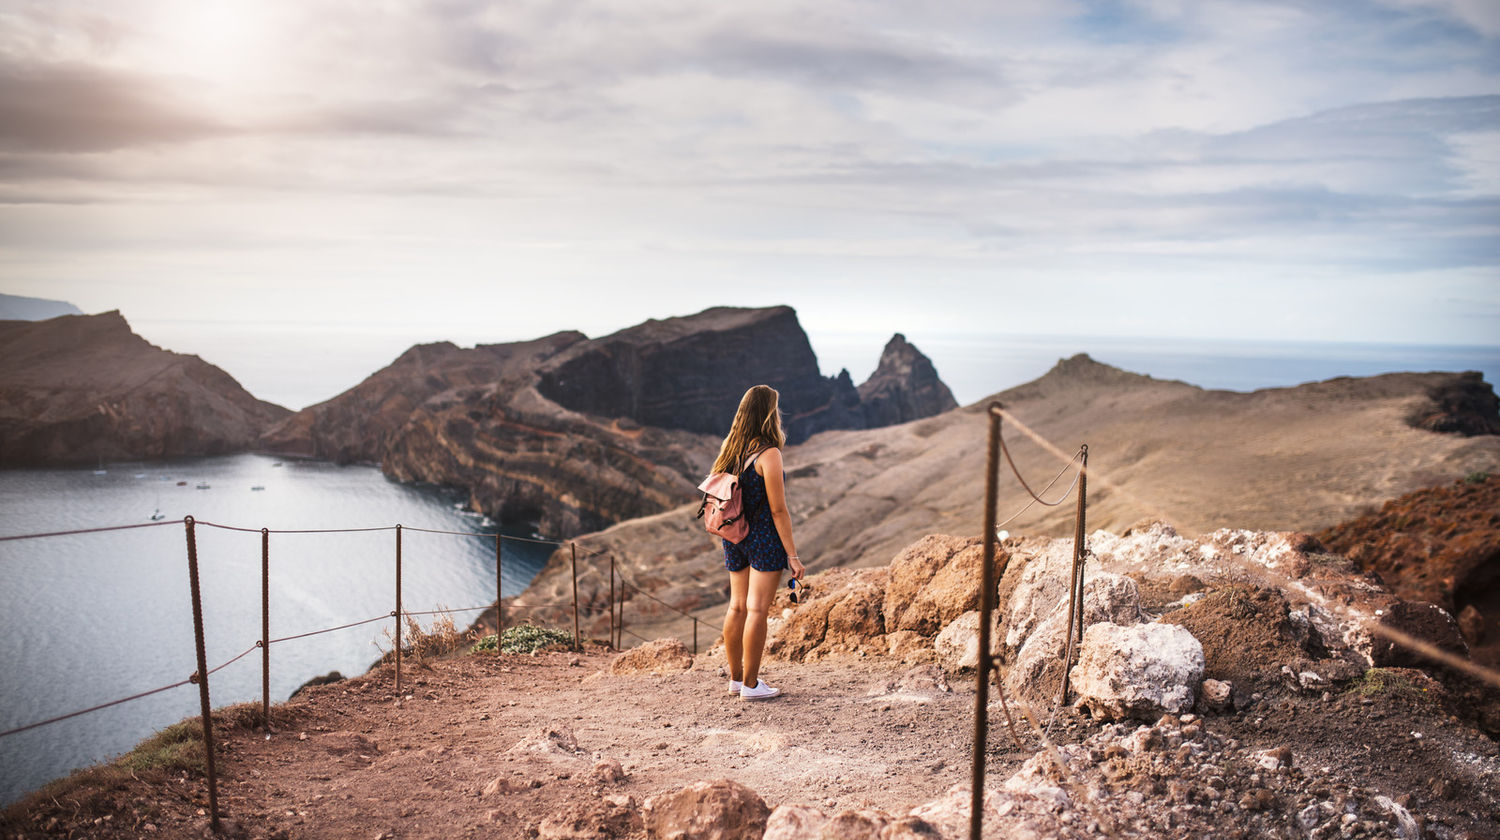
753 450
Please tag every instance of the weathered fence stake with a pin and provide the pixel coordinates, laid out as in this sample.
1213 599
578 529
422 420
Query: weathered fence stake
398 613
499 598
986 610
1075 581
265 630
612 644
201 677
573 547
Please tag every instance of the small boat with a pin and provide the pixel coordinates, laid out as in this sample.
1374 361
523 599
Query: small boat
277 464
101 470
202 486
258 487
158 516
182 484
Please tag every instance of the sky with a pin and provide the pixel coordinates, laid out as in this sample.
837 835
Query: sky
304 188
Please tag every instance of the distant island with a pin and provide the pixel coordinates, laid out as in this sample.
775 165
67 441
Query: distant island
18 308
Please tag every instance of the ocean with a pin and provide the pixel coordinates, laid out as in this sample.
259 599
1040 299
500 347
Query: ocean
96 617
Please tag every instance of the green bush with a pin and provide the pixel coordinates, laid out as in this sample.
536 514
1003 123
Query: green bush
524 638
1476 477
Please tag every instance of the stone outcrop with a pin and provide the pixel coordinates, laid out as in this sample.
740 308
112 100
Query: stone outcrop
1137 671
571 434
904 387
81 388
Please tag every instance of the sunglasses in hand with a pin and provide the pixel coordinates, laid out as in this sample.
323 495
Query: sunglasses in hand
798 590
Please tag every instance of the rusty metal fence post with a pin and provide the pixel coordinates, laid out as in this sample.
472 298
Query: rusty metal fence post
265 630
1075 581
573 547
612 644
499 598
986 610
398 613
201 676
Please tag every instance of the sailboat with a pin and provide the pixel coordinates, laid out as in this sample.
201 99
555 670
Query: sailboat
101 470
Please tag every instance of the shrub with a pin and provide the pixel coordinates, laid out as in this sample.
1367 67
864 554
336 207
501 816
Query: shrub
525 638
1476 477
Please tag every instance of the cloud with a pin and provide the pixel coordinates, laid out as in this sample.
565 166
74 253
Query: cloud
80 108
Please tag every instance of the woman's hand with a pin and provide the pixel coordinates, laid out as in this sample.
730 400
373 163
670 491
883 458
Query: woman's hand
798 570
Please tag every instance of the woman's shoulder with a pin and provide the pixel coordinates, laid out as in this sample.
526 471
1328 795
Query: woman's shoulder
770 454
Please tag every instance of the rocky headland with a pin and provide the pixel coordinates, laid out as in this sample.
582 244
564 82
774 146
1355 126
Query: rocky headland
77 389
572 434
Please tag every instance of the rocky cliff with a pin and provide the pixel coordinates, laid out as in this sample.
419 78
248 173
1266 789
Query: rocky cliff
689 373
573 434
80 388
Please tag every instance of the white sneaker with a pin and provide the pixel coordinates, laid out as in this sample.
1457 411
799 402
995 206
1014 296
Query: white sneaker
735 686
761 691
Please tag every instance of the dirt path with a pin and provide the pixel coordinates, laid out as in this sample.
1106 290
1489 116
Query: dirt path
485 746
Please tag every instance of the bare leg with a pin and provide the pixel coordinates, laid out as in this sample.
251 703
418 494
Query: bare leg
758 605
734 624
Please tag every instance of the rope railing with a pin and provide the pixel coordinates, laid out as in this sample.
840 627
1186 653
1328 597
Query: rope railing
92 530
1034 499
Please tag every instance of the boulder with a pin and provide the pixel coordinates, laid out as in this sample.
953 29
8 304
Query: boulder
794 822
716 810
662 656
842 613
1141 670
957 646
1035 672
952 591
913 568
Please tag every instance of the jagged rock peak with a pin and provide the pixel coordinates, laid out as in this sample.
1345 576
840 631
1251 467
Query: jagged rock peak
904 387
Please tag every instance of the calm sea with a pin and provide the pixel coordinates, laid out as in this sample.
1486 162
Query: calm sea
96 617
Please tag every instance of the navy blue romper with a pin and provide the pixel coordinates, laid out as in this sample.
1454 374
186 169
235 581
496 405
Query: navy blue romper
761 549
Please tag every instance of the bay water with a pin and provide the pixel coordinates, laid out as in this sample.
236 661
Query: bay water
92 618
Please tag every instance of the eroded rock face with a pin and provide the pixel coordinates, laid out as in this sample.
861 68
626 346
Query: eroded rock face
79 388
1139 671
689 373
572 434
358 425
904 387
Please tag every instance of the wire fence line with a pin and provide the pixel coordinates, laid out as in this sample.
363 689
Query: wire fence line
265 643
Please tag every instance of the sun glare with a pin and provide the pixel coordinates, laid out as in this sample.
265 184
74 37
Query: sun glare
218 41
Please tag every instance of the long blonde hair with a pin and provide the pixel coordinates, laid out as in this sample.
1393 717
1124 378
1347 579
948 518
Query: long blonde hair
756 426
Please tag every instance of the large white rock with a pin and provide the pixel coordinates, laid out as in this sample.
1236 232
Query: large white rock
1141 670
1035 674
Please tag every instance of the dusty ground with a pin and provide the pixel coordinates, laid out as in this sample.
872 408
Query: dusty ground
518 746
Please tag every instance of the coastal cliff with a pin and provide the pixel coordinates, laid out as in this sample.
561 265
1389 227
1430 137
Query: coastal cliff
80 388
572 434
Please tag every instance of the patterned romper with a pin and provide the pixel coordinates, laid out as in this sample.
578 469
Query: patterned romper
761 549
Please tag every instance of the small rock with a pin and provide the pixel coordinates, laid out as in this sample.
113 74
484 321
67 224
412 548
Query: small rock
608 771
1259 799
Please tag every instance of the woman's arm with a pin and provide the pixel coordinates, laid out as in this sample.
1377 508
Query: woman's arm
770 467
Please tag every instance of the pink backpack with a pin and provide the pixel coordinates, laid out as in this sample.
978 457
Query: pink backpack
723 508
